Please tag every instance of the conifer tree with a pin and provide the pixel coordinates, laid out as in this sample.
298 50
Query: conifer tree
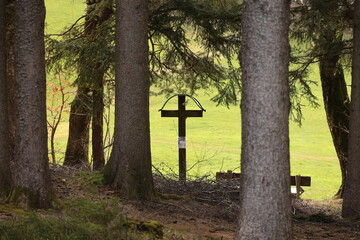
31 180
319 27
265 211
129 167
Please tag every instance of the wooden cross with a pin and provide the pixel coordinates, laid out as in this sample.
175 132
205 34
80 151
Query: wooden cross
182 114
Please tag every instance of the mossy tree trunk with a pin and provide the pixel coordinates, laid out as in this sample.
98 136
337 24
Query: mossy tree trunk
265 211
336 101
351 203
31 179
77 149
5 176
129 166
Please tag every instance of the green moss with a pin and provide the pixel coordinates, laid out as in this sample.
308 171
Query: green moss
107 175
152 228
40 227
140 187
77 220
100 212
29 199
12 209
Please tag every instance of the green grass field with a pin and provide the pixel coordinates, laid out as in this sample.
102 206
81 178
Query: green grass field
213 142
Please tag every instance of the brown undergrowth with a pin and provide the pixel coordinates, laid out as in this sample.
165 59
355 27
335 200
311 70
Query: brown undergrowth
198 209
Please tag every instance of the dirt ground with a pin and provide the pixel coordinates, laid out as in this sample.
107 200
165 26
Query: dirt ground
314 220
207 210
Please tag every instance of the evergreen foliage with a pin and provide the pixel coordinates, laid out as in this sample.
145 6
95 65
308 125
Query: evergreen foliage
192 45
325 27
313 27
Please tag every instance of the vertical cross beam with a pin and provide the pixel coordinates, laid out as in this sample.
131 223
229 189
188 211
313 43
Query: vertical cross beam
182 137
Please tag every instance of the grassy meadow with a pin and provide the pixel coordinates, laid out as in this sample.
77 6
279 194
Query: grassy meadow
213 142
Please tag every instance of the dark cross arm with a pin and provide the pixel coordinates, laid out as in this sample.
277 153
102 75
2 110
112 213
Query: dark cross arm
186 113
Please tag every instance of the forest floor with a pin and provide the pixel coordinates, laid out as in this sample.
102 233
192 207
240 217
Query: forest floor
201 209
200 221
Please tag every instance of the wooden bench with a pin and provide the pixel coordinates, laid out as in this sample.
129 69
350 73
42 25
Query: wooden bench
297 181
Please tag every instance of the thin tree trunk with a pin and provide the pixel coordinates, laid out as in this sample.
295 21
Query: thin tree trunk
97 127
5 177
129 167
351 203
336 102
31 179
77 149
265 211
98 106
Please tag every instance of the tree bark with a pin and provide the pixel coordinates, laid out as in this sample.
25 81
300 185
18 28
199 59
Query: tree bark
351 202
265 211
129 167
98 105
5 176
77 149
336 103
31 180
97 127
10 74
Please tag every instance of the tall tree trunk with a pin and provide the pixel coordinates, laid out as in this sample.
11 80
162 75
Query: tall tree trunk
265 211
336 102
97 127
78 142
5 177
31 179
351 203
77 149
129 167
98 104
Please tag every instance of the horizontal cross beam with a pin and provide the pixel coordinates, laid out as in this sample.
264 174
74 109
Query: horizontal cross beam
186 113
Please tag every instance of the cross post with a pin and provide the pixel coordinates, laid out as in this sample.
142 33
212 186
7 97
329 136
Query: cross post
182 114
